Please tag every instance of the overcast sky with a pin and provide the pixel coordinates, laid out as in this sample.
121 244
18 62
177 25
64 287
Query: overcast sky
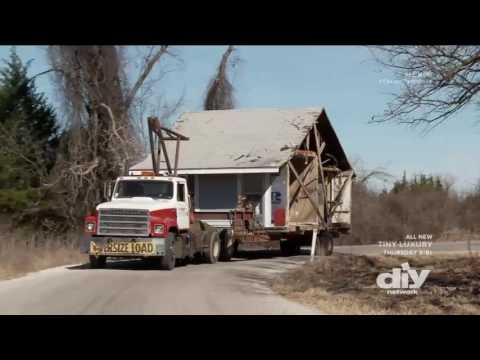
343 79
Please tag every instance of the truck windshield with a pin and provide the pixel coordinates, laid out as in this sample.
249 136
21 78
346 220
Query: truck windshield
153 189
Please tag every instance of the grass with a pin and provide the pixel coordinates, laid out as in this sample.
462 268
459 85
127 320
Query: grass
22 252
346 284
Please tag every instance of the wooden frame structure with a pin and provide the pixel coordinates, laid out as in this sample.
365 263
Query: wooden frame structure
324 208
320 191
158 145
311 201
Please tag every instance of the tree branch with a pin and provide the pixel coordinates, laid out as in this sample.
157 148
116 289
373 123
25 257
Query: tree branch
150 63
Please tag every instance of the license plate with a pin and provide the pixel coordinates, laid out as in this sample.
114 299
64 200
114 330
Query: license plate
123 247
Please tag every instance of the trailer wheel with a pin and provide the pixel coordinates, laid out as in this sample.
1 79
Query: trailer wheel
227 250
97 262
212 252
324 245
235 248
167 262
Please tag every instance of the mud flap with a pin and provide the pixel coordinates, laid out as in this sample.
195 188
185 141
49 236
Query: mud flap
85 243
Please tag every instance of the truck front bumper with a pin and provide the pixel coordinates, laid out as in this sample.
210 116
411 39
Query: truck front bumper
122 246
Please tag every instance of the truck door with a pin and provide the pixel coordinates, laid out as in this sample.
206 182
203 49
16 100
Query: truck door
183 215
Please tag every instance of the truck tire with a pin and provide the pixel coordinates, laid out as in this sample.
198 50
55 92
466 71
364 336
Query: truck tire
227 250
289 248
235 248
324 245
167 262
97 262
212 252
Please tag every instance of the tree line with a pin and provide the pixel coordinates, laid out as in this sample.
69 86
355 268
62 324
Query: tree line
420 203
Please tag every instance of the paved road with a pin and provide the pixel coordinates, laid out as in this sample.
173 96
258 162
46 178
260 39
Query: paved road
134 287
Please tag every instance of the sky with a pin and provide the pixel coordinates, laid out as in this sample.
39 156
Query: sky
345 80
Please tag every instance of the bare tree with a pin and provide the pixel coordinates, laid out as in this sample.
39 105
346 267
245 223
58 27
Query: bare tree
436 82
378 174
100 141
220 91
158 106
365 175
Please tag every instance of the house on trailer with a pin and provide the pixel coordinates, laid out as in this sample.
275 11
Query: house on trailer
288 164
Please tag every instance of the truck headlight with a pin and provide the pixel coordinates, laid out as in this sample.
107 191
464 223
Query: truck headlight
158 229
90 226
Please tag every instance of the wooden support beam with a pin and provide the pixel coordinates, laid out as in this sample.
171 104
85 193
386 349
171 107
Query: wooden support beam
165 153
305 153
300 182
314 243
177 150
317 190
168 139
152 149
331 169
157 144
320 149
295 195
158 159
155 126
174 134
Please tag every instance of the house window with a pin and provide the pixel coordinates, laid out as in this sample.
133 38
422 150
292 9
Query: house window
217 192
253 189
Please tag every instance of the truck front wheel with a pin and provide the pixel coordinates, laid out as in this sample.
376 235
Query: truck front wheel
228 245
97 262
167 262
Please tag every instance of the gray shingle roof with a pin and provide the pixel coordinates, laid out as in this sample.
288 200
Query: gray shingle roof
225 139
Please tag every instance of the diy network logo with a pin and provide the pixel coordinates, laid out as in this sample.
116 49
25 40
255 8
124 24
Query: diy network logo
404 280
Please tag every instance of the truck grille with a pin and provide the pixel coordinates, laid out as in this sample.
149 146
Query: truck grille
123 222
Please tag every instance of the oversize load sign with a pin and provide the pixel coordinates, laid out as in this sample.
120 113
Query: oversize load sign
131 247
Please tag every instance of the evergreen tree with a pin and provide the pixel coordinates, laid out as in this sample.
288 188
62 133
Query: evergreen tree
28 135
420 182
22 107
399 186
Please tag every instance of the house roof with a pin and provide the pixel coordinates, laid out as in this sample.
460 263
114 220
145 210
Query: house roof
241 139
